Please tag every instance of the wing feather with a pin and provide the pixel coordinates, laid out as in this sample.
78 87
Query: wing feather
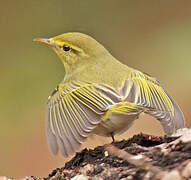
58 135
71 141
149 93
52 142
77 118
81 116
94 96
62 146
74 113
72 127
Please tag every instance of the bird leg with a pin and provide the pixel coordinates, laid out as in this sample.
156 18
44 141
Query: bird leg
112 136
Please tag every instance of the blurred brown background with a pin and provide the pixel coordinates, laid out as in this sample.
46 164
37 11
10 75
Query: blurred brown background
152 36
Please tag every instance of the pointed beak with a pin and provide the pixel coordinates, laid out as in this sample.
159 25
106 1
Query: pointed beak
43 41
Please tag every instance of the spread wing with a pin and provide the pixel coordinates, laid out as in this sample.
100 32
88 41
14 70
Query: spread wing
146 91
74 113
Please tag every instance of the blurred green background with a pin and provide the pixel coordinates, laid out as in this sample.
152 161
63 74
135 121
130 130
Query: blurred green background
152 36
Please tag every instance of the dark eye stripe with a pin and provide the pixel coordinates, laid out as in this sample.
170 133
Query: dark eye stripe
66 48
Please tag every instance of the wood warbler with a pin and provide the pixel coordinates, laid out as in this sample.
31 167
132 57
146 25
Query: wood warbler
100 95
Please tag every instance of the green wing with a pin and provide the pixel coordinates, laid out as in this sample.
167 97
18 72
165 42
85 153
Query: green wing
73 114
146 91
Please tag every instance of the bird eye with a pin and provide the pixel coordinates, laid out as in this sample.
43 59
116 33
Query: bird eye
66 47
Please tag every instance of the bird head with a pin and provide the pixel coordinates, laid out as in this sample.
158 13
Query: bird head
74 48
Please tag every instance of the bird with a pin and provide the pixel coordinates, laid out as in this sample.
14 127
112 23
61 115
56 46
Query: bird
100 95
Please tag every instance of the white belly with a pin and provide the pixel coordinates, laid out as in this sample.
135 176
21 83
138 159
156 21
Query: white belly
115 124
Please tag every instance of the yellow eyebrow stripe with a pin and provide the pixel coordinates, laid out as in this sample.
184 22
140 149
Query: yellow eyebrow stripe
62 43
